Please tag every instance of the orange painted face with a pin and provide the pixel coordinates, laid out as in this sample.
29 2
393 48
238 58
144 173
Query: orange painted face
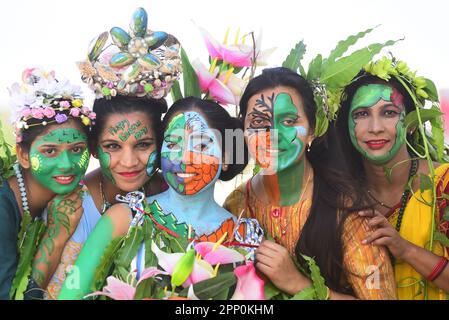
190 155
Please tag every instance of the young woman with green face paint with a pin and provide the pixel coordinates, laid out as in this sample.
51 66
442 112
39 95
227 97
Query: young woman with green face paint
192 161
298 197
125 140
53 156
373 136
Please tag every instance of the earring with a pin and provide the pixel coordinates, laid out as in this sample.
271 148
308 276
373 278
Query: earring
308 149
225 167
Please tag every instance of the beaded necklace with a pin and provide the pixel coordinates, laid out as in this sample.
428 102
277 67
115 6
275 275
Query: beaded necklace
406 194
22 189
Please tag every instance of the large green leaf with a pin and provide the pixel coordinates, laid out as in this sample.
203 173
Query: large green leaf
314 71
344 45
438 134
431 90
411 120
340 73
211 288
425 183
317 279
306 294
270 290
130 247
176 93
293 60
191 83
441 237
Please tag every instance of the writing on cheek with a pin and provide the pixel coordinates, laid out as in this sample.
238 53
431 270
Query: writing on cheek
125 129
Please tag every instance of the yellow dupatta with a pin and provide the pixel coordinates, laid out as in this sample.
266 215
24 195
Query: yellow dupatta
416 228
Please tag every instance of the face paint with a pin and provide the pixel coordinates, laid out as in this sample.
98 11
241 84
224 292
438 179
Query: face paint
367 96
125 129
151 162
59 169
190 155
274 139
105 164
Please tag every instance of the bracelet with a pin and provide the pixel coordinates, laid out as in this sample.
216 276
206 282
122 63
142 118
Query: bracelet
441 265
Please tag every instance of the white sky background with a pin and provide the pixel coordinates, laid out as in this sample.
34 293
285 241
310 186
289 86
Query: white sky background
55 34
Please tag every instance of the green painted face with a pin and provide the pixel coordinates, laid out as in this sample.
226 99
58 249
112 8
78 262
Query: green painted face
105 164
285 113
60 159
365 97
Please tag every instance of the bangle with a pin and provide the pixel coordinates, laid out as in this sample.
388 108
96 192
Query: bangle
441 265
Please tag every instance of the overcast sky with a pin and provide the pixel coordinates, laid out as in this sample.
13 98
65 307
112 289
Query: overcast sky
55 34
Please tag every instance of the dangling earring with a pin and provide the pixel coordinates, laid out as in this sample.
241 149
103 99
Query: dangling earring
308 149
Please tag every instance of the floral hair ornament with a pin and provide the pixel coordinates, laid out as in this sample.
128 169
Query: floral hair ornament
328 76
423 92
41 99
137 63
231 66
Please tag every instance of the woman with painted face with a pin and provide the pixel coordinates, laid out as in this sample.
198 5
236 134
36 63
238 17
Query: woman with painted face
125 140
194 155
130 103
301 197
373 134
52 153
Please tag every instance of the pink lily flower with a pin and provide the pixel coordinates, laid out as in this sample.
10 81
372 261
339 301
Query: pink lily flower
221 255
444 105
119 290
237 55
249 285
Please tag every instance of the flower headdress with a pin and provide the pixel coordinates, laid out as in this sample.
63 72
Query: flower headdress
422 92
328 76
41 100
137 63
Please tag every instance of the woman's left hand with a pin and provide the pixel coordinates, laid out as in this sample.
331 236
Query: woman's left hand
385 234
274 261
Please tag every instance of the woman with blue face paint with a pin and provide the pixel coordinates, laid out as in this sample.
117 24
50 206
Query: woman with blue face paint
301 197
194 156
373 133
40 204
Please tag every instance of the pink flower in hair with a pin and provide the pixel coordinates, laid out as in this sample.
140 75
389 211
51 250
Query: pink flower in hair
397 98
37 113
92 116
49 112
85 110
75 112
25 113
64 104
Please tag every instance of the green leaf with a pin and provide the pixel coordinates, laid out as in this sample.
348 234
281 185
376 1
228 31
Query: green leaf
318 281
425 182
314 71
431 90
105 266
176 93
388 172
411 120
438 134
150 257
446 213
270 290
130 247
191 83
293 60
145 289
442 238
306 294
341 73
344 45
211 288
321 122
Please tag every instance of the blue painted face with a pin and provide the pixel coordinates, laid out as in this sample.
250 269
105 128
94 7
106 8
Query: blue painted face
191 154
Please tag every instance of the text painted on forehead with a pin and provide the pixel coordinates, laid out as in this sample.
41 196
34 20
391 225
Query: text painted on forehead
124 129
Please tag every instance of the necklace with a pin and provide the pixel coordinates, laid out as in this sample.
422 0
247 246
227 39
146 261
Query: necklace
22 188
406 194
277 213
379 202
106 204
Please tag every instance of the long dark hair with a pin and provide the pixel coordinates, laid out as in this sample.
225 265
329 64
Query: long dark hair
354 156
334 194
219 119
153 108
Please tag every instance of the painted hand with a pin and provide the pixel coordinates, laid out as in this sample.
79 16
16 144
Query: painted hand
384 234
64 214
274 261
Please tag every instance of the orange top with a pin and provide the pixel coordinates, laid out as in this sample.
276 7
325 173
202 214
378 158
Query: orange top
367 267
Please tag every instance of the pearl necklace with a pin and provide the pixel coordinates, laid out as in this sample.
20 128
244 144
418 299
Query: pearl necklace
22 189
